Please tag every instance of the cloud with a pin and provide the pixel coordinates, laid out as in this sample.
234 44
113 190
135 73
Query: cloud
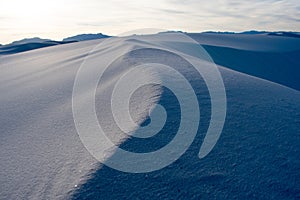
103 23
169 11
234 14
116 16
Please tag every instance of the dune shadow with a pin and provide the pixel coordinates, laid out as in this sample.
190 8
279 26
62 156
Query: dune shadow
279 67
255 158
108 183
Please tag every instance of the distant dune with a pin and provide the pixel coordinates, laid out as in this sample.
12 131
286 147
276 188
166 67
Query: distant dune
261 55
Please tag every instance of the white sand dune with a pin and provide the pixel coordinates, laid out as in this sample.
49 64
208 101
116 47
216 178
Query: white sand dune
255 42
42 157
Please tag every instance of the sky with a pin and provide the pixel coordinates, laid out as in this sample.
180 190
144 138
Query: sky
57 19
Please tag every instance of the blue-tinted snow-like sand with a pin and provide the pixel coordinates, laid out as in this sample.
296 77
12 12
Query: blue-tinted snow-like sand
257 156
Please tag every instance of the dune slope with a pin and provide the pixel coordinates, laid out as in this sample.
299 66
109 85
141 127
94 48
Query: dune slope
42 157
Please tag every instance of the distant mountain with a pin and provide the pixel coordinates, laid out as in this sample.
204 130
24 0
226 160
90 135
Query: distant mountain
253 32
171 32
36 43
83 37
276 33
219 32
30 40
27 45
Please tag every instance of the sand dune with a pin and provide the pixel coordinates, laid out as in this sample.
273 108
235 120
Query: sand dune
257 155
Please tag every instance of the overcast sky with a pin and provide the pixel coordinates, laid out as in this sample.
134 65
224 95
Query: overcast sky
56 19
